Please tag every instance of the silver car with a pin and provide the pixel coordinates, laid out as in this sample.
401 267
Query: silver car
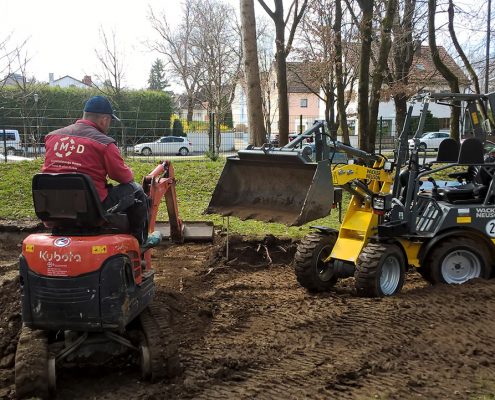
165 145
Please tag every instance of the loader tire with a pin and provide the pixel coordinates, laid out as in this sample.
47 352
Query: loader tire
162 344
310 270
380 270
456 261
31 365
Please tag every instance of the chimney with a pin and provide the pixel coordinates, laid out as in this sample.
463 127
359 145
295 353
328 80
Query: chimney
417 47
50 78
87 80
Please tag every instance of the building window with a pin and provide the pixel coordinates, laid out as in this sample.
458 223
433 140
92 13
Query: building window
304 103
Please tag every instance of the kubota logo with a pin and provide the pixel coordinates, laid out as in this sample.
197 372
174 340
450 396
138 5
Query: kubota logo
66 146
49 256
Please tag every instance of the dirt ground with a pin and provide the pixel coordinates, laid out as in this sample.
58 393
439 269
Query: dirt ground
248 331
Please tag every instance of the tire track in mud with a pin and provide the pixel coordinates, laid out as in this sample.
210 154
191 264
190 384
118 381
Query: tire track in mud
342 347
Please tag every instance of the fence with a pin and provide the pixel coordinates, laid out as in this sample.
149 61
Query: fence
147 134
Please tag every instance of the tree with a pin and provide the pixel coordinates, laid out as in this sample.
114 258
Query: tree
217 48
283 49
176 45
157 80
444 70
111 58
252 74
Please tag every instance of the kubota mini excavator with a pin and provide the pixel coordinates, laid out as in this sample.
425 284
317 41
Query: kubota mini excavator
87 286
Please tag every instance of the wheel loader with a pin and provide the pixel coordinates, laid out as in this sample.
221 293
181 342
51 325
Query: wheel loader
87 286
392 221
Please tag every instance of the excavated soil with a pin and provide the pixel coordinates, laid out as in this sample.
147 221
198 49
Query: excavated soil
248 331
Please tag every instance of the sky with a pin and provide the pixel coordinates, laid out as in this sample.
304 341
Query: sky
63 34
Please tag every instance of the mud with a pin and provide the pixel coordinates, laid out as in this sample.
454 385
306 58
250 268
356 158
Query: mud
247 330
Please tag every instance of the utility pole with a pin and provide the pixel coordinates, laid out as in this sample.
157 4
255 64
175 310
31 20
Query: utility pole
487 60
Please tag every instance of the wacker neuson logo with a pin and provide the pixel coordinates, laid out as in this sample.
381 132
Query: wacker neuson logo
485 213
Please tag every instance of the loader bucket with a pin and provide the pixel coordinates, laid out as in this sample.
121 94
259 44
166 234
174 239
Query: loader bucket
275 187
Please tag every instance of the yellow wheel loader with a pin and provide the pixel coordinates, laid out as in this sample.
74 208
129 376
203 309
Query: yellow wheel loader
392 221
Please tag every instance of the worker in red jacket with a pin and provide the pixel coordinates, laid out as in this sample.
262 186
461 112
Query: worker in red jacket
86 148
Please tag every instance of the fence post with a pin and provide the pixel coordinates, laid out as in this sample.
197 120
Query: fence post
381 134
4 144
300 124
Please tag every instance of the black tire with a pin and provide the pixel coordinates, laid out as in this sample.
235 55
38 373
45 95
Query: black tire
370 270
31 365
310 271
161 342
457 260
146 151
422 147
183 151
11 151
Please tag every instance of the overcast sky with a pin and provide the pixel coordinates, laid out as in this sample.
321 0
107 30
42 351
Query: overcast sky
63 34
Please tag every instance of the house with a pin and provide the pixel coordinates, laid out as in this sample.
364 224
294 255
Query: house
199 112
305 106
68 81
14 79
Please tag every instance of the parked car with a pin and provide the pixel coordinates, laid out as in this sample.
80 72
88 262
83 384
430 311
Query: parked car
165 145
430 140
338 158
10 141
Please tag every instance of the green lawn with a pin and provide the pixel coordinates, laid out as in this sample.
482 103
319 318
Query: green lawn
195 183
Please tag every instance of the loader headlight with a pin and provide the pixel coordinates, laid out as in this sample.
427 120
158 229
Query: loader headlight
388 166
382 203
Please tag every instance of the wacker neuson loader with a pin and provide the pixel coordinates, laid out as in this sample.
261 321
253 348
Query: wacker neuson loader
447 233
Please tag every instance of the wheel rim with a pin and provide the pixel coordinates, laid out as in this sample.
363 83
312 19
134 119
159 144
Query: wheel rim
10 152
390 275
146 152
324 271
183 152
461 266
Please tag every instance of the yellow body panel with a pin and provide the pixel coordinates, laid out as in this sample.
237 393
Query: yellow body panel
359 221
412 251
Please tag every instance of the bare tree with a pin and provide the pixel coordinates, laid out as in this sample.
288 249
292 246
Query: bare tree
283 48
217 47
177 46
252 73
444 70
112 59
265 37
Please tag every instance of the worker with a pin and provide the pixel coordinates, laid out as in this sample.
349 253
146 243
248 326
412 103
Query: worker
85 147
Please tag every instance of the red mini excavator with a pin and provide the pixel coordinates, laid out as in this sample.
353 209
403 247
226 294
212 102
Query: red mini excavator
87 286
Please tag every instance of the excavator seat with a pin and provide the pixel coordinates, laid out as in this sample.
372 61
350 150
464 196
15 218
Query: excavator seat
69 204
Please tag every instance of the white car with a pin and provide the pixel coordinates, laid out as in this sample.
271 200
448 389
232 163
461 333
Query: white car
430 140
165 145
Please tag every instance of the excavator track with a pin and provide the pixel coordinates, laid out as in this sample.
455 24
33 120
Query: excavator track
162 344
31 365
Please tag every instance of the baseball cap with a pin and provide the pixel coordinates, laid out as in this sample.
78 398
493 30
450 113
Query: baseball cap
100 105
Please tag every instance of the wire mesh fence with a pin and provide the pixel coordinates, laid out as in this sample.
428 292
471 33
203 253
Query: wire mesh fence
151 135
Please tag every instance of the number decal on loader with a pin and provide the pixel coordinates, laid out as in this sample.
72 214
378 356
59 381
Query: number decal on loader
490 228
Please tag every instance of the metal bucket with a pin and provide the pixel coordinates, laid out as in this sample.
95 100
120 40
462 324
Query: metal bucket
275 187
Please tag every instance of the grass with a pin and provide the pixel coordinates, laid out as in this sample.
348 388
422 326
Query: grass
195 183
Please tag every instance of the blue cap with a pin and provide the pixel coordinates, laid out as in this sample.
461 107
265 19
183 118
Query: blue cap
99 105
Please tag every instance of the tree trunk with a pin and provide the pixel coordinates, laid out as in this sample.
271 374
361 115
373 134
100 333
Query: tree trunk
366 30
281 69
378 73
257 133
190 108
449 76
400 101
339 75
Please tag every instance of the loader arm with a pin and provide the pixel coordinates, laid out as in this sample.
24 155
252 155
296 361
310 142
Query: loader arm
359 221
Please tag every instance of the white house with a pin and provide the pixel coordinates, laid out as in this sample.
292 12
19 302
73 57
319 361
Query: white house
68 81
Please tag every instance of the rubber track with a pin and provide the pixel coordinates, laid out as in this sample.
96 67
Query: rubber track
165 362
366 267
31 365
303 260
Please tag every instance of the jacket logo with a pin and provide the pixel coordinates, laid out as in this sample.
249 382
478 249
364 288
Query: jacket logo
66 146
